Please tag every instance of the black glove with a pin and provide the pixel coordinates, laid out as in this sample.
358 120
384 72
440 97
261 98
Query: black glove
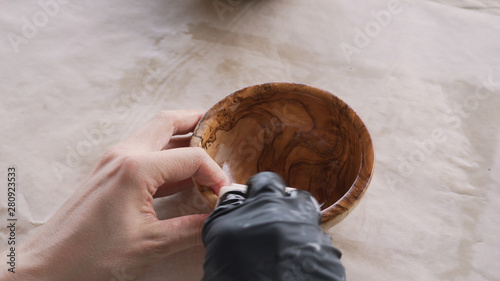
268 234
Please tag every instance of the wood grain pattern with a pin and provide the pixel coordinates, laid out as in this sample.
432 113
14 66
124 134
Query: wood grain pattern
310 137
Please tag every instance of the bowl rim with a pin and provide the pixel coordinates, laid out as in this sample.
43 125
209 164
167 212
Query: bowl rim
336 212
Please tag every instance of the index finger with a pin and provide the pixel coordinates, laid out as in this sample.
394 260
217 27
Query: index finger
156 133
171 166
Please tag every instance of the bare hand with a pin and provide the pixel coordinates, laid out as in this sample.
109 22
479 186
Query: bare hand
108 227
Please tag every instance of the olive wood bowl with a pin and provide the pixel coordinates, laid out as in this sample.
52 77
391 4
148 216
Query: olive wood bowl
310 137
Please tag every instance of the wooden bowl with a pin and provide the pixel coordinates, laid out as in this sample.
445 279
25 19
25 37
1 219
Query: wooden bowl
310 137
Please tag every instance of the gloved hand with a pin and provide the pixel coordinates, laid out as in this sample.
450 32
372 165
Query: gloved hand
268 234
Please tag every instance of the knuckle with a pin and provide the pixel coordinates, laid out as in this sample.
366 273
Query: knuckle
130 164
200 152
131 169
201 157
167 117
110 155
154 245
165 114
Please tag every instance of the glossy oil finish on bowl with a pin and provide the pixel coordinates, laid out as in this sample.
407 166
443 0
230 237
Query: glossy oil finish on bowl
310 137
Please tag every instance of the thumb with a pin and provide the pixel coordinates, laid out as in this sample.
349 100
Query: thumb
179 233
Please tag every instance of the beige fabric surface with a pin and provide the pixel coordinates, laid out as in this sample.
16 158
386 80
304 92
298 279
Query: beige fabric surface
423 75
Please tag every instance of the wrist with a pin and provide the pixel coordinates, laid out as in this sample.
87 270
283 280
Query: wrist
19 268
27 266
36 261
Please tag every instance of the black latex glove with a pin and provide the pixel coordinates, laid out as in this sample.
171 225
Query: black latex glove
268 234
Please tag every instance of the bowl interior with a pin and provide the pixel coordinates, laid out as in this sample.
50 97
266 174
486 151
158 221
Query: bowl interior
308 136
